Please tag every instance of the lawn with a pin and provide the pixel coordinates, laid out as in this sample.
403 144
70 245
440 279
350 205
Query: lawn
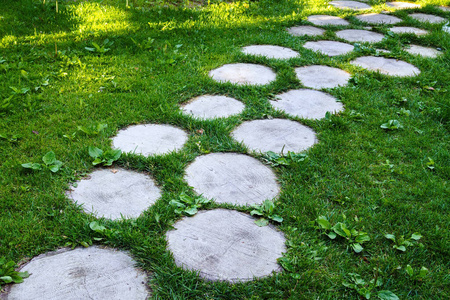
67 67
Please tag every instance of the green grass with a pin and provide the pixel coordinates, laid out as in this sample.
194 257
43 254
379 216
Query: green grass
160 58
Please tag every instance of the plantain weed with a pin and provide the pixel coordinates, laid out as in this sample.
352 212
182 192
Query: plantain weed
353 237
401 243
104 157
8 274
266 212
50 163
187 205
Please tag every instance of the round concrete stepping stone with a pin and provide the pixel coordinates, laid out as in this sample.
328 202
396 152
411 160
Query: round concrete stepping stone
150 139
83 273
232 178
363 36
413 30
226 245
113 193
423 51
305 30
428 18
330 48
378 19
402 5
321 20
270 51
276 135
211 107
444 8
350 5
387 66
308 104
242 74
322 77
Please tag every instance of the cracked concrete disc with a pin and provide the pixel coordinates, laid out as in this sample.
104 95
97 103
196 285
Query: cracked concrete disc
150 139
270 51
321 20
242 74
322 77
277 135
308 104
404 29
387 66
357 35
428 18
83 273
226 245
232 178
329 48
212 106
378 19
305 30
350 5
423 51
111 193
402 5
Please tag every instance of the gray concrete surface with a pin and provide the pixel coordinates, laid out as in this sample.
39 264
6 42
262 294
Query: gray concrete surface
232 178
226 245
423 51
270 51
275 135
212 106
387 66
374 18
82 273
111 193
305 30
321 20
322 77
405 29
357 35
308 104
402 5
355 5
330 48
428 18
243 74
150 139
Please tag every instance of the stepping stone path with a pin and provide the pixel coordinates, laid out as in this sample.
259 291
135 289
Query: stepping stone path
276 135
428 18
150 139
322 77
404 30
402 5
329 48
270 51
378 19
226 245
386 66
363 36
221 244
232 178
308 104
83 273
444 8
211 107
243 74
322 20
113 193
423 51
305 30
355 5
